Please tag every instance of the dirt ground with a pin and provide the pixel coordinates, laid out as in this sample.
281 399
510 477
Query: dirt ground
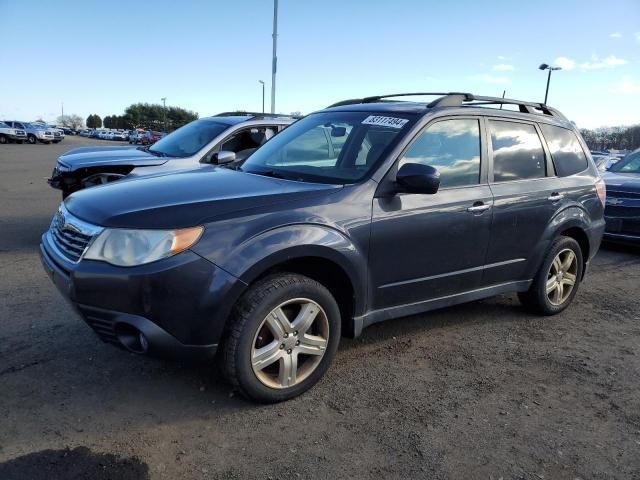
484 390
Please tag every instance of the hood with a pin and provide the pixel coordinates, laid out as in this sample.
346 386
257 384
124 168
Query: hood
95 156
622 182
184 199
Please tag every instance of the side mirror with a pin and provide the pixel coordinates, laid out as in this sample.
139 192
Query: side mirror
222 157
418 178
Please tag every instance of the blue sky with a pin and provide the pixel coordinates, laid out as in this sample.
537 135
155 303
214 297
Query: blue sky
207 56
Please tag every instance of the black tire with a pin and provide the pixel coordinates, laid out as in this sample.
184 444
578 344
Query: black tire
536 298
3 140
249 315
32 139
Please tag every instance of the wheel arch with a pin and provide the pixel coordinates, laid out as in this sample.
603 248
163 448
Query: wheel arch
316 251
572 222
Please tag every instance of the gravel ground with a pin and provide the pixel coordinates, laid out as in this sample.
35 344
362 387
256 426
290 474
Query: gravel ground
483 390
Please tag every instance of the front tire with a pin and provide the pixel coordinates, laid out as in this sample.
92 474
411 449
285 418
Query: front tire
556 283
285 334
32 139
3 140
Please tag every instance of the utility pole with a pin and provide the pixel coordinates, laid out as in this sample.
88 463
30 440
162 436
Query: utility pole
164 104
274 61
262 82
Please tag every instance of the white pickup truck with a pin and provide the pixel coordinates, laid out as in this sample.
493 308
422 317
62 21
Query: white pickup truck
9 134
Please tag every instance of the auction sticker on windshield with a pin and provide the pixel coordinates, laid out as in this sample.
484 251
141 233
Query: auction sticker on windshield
392 122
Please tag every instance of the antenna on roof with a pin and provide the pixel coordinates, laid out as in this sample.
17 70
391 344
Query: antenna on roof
504 92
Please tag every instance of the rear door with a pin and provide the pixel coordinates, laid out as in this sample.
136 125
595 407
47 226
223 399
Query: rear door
526 192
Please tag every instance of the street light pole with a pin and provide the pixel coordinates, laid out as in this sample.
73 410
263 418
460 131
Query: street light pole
544 66
262 94
164 104
274 60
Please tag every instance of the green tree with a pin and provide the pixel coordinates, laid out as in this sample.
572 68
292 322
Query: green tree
155 117
94 121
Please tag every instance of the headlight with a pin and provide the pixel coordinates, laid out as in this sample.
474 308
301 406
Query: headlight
127 248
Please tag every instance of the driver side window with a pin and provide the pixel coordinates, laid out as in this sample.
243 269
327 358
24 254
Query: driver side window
246 141
452 147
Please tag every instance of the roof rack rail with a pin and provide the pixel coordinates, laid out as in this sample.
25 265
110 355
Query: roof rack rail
378 98
241 113
458 99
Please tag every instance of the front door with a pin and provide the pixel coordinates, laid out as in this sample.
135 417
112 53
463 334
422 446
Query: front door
430 246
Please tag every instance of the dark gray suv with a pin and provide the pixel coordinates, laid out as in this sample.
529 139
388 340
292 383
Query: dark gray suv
368 210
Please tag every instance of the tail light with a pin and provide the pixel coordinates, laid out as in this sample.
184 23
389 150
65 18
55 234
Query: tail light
601 190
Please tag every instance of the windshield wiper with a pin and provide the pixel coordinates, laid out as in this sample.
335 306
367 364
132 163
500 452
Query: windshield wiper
156 153
270 173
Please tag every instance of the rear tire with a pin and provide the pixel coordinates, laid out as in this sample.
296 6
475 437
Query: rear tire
284 335
556 283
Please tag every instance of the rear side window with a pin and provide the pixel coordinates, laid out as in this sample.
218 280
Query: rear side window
453 148
517 152
566 152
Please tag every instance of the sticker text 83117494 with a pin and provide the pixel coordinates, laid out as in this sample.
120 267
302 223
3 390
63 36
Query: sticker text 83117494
382 121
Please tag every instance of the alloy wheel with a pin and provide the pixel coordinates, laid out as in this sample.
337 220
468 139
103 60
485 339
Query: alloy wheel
290 343
562 277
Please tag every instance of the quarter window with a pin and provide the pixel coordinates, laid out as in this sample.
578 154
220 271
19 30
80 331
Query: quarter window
453 148
566 152
517 152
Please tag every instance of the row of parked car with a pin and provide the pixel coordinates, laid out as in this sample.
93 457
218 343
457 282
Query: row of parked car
13 131
276 237
134 137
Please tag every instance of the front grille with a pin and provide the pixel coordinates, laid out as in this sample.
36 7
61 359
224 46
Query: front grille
622 194
70 242
71 236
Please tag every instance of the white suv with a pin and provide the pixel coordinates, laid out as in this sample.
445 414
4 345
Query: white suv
8 134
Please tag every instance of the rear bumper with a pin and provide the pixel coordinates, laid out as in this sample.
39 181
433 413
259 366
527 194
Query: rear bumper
180 305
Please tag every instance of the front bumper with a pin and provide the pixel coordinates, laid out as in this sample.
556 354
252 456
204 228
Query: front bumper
180 304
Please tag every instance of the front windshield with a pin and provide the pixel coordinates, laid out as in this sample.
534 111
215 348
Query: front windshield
630 164
330 147
4 125
190 139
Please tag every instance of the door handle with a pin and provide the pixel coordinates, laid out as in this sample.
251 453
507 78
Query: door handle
478 208
554 197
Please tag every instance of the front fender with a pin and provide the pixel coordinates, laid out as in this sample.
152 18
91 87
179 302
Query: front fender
252 258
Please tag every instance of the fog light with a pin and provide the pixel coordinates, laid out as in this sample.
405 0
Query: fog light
144 343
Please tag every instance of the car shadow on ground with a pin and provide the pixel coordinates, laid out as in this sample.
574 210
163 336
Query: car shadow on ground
79 463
